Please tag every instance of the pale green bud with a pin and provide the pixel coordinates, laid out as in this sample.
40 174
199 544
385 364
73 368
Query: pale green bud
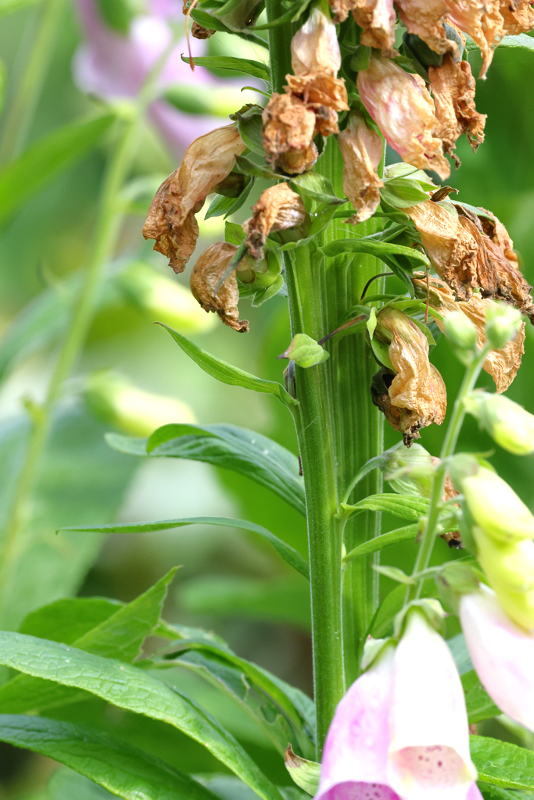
304 773
305 351
460 330
409 470
507 422
509 569
131 410
502 324
493 505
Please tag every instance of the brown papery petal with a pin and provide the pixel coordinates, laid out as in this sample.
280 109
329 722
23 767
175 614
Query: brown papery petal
417 394
288 130
453 89
377 20
482 21
222 298
518 16
315 47
171 217
425 19
361 149
278 209
502 365
319 89
341 9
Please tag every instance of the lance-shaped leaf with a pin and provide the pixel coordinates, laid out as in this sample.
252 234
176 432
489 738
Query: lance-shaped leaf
130 688
126 771
503 764
247 66
410 507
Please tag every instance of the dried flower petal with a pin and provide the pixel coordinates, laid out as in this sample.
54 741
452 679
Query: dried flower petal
377 20
314 47
501 364
482 21
425 19
361 149
416 396
453 89
341 9
288 130
518 16
278 209
319 89
403 109
206 277
171 217
198 32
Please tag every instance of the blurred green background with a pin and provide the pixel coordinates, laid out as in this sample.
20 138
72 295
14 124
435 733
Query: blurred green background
227 582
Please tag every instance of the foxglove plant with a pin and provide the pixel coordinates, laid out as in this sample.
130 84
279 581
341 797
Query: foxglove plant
376 260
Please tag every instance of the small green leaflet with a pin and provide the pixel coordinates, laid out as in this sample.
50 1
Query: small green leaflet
384 540
410 507
247 66
381 250
503 764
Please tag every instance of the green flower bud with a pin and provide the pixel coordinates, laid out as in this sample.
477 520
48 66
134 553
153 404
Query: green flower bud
129 409
502 324
509 569
409 470
492 504
507 422
460 330
305 351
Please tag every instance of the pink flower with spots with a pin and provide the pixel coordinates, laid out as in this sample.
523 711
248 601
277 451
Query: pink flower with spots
401 731
111 65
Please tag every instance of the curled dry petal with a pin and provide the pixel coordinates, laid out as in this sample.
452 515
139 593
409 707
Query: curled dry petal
314 47
416 397
212 290
171 217
377 20
341 9
319 89
278 209
501 364
471 253
518 16
502 653
403 109
425 19
288 130
453 89
482 21
361 149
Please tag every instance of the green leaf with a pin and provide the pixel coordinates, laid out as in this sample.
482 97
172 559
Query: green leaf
410 507
305 351
66 783
225 206
228 788
212 23
497 793
381 250
395 574
69 618
130 688
120 635
248 167
25 176
390 606
285 551
479 704
503 764
228 446
296 10
126 771
7 6
227 373
384 540
250 128
246 66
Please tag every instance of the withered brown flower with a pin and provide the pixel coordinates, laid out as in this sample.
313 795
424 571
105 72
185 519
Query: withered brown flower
213 291
471 253
518 16
425 18
453 89
288 130
361 149
314 47
171 218
414 394
278 209
403 109
376 18
482 21
502 365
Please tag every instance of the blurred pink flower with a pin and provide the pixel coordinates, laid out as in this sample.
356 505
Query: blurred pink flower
111 66
502 654
397 733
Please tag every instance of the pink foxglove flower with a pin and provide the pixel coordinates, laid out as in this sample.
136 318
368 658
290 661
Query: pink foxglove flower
401 731
502 653
112 65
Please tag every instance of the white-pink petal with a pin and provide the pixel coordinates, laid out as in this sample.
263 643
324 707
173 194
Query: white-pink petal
502 654
429 745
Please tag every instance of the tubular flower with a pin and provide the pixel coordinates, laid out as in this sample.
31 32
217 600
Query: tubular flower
471 252
171 218
213 291
361 149
502 654
501 364
279 208
377 20
403 109
413 395
453 89
393 736
425 18
508 423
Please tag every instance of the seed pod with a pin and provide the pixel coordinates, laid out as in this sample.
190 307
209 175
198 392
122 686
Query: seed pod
213 290
361 149
288 130
171 219
279 208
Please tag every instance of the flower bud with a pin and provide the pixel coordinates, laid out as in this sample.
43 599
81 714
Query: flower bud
305 351
409 470
131 410
460 330
508 423
502 324
491 503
